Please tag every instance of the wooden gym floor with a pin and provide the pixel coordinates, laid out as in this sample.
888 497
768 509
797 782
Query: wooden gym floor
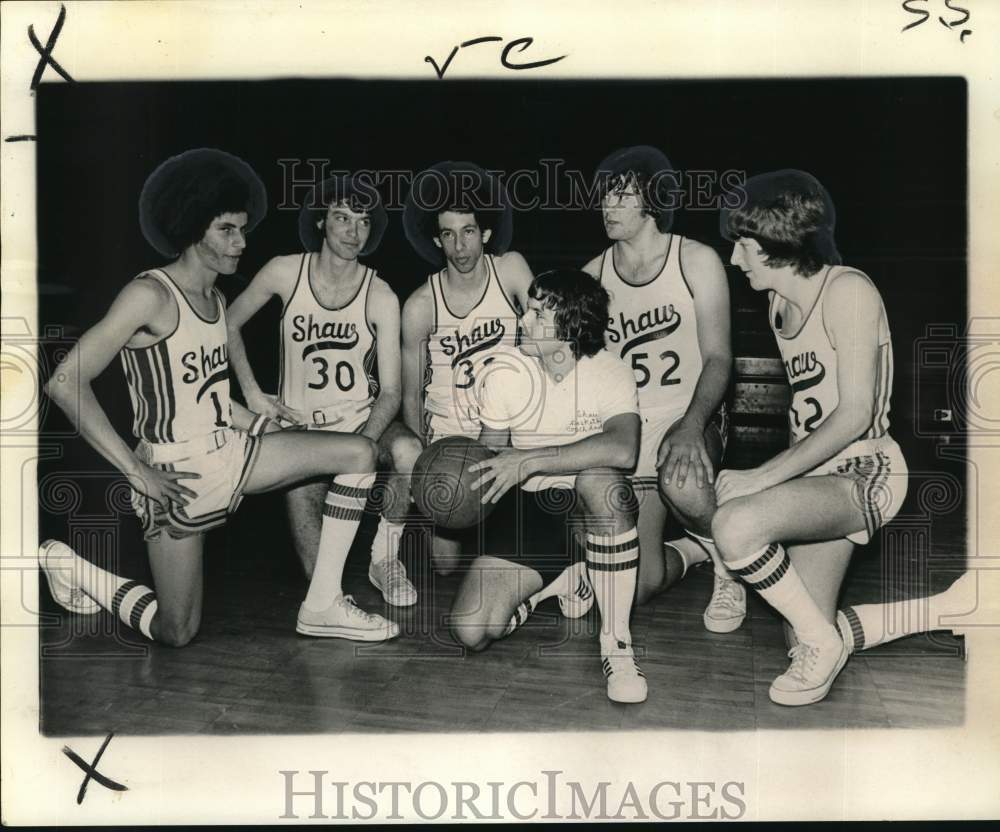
249 673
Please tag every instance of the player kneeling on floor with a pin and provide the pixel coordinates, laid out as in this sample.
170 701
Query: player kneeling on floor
562 412
199 452
843 476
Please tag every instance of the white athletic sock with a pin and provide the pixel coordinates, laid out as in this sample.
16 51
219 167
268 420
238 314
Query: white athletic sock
132 602
612 564
387 537
708 544
771 574
868 625
345 505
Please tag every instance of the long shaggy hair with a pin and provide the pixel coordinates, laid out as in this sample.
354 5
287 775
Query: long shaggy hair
792 218
654 178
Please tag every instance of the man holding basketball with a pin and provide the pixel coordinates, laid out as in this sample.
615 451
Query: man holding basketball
843 476
340 360
669 319
563 414
199 452
458 218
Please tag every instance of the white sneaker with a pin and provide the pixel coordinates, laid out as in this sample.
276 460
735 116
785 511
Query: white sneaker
344 619
577 602
388 576
728 606
58 561
811 673
626 682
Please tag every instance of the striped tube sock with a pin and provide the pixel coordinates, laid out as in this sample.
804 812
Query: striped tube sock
868 625
612 564
387 537
345 505
851 629
132 602
770 572
135 604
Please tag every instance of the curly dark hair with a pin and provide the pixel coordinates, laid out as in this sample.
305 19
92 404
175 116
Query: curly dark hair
185 207
462 192
581 307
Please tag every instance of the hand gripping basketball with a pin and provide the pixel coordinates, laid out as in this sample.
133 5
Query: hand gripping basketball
441 483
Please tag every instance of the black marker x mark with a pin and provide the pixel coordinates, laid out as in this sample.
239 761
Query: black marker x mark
46 53
92 772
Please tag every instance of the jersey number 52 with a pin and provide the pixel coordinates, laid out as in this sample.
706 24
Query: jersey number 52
642 374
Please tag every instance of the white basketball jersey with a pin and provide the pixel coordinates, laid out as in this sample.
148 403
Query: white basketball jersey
652 328
179 386
328 356
811 366
459 347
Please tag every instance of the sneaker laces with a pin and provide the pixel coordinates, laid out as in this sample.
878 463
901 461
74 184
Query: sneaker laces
803 658
727 594
352 608
395 574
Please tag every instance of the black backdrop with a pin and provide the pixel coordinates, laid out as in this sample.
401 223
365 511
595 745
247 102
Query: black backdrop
892 152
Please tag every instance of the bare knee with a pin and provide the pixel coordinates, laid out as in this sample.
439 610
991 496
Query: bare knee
472 630
360 458
646 591
605 492
737 529
176 632
404 449
470 636
693 506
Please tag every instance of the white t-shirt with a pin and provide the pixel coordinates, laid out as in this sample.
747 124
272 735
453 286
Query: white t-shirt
541 411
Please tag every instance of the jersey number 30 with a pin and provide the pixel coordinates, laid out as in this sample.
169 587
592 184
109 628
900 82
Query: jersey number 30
343 374
642 374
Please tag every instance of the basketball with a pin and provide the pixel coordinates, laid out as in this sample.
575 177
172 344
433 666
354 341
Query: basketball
442 483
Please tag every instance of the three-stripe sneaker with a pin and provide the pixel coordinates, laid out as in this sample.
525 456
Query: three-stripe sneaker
521 614
345 619
577 602
626 682
58 562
